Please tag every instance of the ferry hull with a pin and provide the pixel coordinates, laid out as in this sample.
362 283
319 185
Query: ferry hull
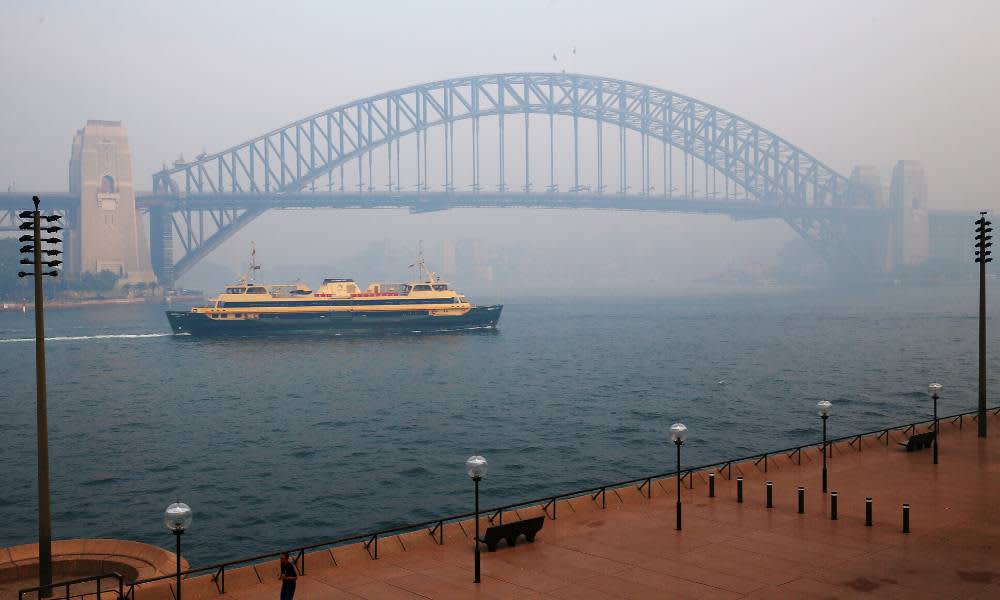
358 321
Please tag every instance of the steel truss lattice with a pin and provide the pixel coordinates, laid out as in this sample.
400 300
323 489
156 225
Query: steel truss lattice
770 170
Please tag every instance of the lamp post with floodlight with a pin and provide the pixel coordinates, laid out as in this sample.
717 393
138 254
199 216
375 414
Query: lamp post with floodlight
178 519
678 435
825 409
476 466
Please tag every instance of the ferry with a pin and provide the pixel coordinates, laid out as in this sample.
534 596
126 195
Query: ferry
427 304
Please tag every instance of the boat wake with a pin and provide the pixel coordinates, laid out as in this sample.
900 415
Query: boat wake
76 338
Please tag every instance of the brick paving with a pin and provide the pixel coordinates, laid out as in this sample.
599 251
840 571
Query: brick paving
726 550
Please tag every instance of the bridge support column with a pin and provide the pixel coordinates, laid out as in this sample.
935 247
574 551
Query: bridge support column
161 237
872 237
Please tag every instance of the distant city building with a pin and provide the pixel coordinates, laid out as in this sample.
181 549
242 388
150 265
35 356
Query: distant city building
869 177
447 265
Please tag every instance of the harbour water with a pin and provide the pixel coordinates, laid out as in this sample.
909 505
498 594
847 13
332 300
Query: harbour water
281 441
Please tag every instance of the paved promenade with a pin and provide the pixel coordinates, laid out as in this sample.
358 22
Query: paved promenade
726 550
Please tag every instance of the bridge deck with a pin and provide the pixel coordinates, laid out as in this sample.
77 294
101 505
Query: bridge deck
727 550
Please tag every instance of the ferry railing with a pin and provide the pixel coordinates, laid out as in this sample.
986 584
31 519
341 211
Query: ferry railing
548 504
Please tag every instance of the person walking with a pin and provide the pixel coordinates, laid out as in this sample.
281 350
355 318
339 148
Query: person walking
288 577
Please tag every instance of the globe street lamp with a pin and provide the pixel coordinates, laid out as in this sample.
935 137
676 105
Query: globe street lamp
824 408
476 466
935 389
178 518
678 434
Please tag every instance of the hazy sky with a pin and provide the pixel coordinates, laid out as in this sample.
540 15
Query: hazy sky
851 82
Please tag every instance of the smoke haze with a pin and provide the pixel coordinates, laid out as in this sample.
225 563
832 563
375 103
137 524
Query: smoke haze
850 82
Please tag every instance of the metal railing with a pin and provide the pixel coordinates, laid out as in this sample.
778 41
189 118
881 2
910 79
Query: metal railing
597 493
67 585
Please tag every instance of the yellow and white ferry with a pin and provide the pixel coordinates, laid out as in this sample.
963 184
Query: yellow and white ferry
250 308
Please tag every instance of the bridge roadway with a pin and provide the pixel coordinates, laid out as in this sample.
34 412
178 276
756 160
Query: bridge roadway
445 200
949 230
428 201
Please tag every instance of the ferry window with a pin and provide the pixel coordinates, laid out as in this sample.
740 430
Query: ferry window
422 288
234 290
440 287
256 290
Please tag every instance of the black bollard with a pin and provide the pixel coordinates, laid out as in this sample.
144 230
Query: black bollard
906 518
739 490
868 511
802 500
770 494
711 485
833 506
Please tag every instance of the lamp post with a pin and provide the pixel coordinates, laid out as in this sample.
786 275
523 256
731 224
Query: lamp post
983 252
33 223
178 518
825 409
935 389
476 466
678 434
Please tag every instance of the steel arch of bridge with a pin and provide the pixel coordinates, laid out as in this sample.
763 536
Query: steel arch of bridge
770 170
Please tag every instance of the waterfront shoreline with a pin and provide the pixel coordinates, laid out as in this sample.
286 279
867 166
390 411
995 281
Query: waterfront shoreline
99 302
624 541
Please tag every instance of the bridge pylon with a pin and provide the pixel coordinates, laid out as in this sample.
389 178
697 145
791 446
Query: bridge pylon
108 234
910 233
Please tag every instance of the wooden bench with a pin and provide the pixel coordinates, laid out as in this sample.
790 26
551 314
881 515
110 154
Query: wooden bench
919 441
510 532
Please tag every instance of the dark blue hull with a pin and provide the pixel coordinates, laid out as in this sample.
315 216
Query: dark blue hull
480 317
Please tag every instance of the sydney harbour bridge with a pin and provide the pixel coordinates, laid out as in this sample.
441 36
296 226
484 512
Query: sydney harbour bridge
529 140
